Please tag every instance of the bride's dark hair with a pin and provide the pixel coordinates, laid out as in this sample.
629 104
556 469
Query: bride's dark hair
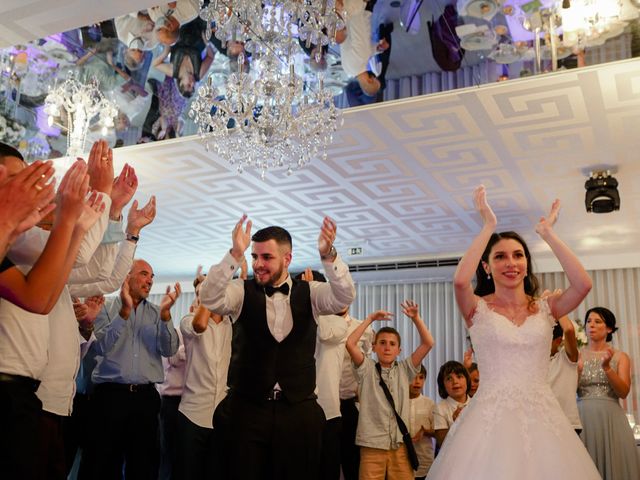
485 286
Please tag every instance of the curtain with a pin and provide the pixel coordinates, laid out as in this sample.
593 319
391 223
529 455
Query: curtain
616 289
179 309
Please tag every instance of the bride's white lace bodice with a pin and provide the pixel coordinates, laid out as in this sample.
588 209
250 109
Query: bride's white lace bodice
513 362
512 357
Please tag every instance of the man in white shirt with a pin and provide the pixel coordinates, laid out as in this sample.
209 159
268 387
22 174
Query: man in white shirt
170 395
356 46
271 413
207 339
27 343
563 372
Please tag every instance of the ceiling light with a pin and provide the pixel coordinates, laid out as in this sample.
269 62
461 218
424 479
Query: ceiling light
602 193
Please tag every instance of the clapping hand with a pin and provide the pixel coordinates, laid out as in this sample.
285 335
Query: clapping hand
327 236
126 299
545 225
91 211
137 219
94 305
307 275
483 208
606 359
241 237
124 187
26 198
168 300
100 167
72 192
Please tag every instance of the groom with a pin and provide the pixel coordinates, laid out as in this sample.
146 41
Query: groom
270 418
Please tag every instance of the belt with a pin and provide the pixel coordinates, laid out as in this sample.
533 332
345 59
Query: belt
28 382
127 387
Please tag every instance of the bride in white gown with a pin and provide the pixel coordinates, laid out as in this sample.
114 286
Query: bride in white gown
513 428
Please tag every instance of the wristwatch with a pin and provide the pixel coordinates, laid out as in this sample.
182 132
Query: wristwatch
330 255
133 238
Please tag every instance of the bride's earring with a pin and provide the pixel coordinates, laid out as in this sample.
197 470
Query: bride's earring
488 276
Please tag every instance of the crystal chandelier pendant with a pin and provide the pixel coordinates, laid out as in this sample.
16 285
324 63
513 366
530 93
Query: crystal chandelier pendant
84 106
271 117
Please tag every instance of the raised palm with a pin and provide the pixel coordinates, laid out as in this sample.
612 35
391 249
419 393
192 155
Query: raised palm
483 207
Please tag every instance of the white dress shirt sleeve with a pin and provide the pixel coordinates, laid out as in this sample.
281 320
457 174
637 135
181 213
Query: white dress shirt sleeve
121 267
335 296
219 293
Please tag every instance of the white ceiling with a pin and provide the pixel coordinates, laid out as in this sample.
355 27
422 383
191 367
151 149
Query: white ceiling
400 174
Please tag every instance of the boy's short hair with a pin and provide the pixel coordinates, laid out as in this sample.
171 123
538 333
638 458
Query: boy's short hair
423 371
387 330
448 368
473 367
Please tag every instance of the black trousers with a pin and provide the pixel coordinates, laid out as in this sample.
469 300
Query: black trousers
51 448
349 451
20 411
271 439
125 433
76 428
168 423
198 451
330 453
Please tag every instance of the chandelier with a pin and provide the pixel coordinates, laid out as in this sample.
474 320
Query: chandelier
270 117
84 106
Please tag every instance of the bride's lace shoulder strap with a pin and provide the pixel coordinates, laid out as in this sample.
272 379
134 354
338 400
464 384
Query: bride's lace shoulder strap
481 310
545 310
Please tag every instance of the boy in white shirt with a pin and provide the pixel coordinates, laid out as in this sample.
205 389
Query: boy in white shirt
421 424
563 371
207 340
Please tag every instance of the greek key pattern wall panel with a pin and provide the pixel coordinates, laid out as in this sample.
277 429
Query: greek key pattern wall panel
399 176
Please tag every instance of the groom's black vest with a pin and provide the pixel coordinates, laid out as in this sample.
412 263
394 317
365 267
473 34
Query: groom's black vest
258 361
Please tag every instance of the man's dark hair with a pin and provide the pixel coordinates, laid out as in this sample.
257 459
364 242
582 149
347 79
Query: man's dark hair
9 151
279 234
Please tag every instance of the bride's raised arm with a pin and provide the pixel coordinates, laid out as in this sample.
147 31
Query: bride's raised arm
466 270
579 280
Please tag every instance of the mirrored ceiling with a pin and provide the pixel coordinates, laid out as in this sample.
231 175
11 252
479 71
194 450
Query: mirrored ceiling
152 63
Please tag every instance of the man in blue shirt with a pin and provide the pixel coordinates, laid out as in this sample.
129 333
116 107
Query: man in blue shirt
132 336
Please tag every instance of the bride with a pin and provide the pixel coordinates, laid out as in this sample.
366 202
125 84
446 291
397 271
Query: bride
514 427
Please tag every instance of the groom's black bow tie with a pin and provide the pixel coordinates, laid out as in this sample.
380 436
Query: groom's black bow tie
270 290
